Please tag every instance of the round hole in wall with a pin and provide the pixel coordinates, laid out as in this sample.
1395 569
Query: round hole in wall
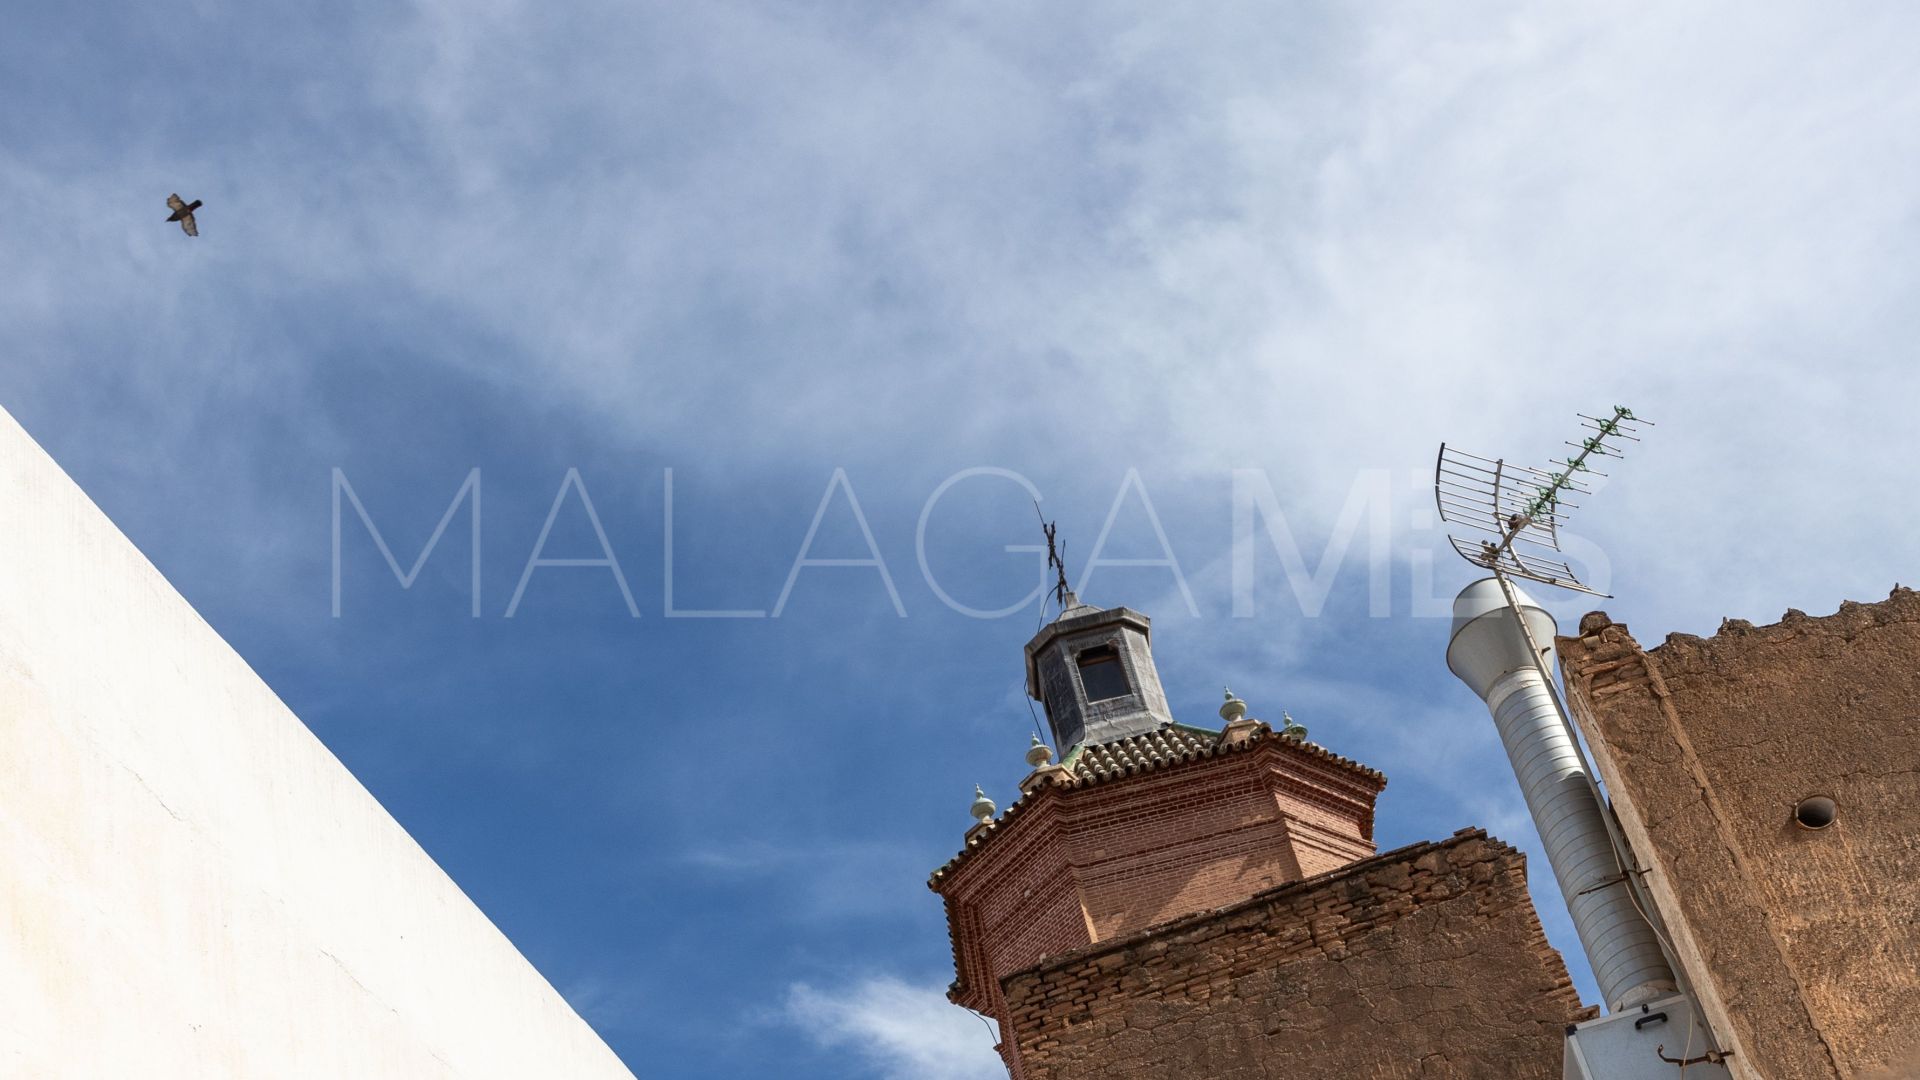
1816 812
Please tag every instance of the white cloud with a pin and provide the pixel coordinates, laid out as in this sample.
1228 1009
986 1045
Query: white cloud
1243 233
1182 237
902 1031
1241 236
834 881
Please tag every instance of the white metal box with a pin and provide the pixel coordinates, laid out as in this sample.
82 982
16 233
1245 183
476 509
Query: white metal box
1660 1040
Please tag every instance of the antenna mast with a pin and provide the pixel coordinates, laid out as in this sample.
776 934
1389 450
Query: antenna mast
1522 509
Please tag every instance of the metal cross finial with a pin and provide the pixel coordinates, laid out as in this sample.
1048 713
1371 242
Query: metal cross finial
1055 561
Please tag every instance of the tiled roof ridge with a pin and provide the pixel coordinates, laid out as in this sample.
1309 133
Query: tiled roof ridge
1261 736
1079 753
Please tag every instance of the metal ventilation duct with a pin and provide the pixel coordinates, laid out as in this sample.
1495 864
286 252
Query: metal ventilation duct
1489 651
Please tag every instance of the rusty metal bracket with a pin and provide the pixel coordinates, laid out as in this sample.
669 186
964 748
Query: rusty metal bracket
1709 1058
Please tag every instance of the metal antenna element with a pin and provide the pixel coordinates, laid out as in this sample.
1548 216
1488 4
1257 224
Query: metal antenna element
1523 508
1054 560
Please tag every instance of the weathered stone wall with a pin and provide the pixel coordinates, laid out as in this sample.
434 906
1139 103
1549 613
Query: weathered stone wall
1428 961
1804 946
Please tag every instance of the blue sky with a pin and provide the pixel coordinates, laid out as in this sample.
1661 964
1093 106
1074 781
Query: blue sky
756 244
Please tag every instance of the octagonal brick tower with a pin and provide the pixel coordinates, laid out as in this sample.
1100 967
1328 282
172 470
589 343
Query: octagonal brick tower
1143 819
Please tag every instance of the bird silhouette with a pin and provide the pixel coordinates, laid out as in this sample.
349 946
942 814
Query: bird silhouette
183 213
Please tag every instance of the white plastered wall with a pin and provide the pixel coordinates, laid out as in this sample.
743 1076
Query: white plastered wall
191 885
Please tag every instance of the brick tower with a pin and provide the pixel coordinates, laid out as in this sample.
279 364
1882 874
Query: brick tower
1142 820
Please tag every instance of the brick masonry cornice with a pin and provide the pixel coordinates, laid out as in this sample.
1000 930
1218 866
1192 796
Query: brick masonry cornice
1079 857
1347 777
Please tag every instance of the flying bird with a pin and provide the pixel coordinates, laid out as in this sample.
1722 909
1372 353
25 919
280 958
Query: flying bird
183 213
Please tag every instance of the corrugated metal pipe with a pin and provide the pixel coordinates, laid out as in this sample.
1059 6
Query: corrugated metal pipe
1489 651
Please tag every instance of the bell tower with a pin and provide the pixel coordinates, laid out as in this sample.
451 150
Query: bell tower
1141 820
1092 669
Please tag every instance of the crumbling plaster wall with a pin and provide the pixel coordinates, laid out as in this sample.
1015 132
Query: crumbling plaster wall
1804 946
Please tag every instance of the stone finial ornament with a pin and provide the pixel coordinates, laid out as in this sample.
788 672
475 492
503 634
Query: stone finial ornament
982 808
1240 727
1039 754
1292 727
1234 709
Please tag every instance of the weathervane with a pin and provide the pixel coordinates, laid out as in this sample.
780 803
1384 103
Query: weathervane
1054 560
1523 508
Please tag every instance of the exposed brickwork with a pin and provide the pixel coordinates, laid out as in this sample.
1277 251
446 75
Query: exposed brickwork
1078 862
1428 961
1800 944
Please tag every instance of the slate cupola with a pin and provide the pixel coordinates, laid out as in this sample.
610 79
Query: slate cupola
1092 668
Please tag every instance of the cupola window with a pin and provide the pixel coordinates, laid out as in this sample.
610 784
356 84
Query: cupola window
1101 673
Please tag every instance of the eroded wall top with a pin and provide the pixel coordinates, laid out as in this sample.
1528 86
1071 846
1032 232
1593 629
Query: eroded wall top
1800 941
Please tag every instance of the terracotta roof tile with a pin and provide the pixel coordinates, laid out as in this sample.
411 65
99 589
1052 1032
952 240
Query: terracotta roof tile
1165 747
1168 744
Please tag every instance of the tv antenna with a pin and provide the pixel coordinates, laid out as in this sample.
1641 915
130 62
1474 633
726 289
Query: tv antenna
1522 508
